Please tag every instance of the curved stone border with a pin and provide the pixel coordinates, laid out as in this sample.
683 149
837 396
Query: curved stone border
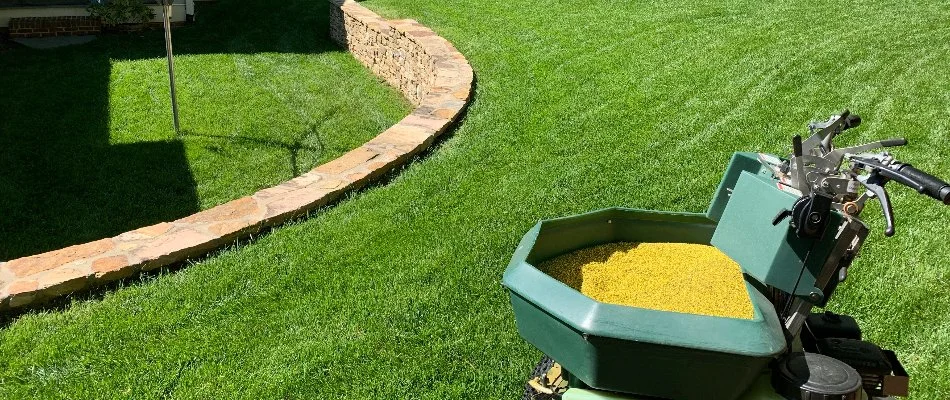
429 71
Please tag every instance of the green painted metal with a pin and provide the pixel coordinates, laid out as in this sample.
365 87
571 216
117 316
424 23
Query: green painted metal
741 162
772 254
628 349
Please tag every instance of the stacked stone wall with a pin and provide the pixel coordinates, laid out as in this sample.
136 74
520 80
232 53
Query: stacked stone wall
388 48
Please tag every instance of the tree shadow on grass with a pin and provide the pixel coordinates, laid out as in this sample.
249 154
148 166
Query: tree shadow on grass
61 180
293 149
60 304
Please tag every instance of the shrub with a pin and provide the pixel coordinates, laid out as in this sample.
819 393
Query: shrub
117 12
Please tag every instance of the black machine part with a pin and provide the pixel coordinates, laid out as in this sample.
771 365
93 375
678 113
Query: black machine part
831 325
809 215
811 376
839 336
881 372
866 357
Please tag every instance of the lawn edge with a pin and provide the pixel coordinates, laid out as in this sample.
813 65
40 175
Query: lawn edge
426 68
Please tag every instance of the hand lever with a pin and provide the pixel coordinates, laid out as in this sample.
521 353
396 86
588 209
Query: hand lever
875 184
887 172
845 121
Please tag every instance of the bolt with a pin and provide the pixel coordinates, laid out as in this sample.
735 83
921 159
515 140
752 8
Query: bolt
814 297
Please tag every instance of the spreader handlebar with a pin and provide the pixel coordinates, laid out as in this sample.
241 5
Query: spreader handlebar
816 167
932 186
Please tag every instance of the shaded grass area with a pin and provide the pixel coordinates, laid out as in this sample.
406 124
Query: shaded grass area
86 140
395 292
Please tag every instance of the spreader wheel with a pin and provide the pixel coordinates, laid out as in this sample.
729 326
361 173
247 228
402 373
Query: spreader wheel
547 381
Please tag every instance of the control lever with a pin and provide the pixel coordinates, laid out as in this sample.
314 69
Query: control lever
833 159
823 133
874 182
847 121
888 172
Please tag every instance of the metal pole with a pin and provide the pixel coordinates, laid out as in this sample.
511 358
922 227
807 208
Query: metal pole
166 14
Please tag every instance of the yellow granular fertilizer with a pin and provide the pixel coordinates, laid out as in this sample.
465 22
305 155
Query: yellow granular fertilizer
679 277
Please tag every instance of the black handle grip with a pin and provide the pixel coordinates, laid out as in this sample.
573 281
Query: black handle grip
933 186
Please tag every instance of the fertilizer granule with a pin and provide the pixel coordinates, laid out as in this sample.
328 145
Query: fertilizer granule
678 277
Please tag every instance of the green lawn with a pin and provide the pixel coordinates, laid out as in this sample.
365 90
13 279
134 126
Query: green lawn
86 140
394 293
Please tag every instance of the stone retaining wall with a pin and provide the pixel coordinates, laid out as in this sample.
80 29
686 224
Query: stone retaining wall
425 67
388 48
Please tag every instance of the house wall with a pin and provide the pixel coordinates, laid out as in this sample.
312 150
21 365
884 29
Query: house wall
179 12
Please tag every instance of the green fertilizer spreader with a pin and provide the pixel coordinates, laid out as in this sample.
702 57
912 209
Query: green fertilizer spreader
791 224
